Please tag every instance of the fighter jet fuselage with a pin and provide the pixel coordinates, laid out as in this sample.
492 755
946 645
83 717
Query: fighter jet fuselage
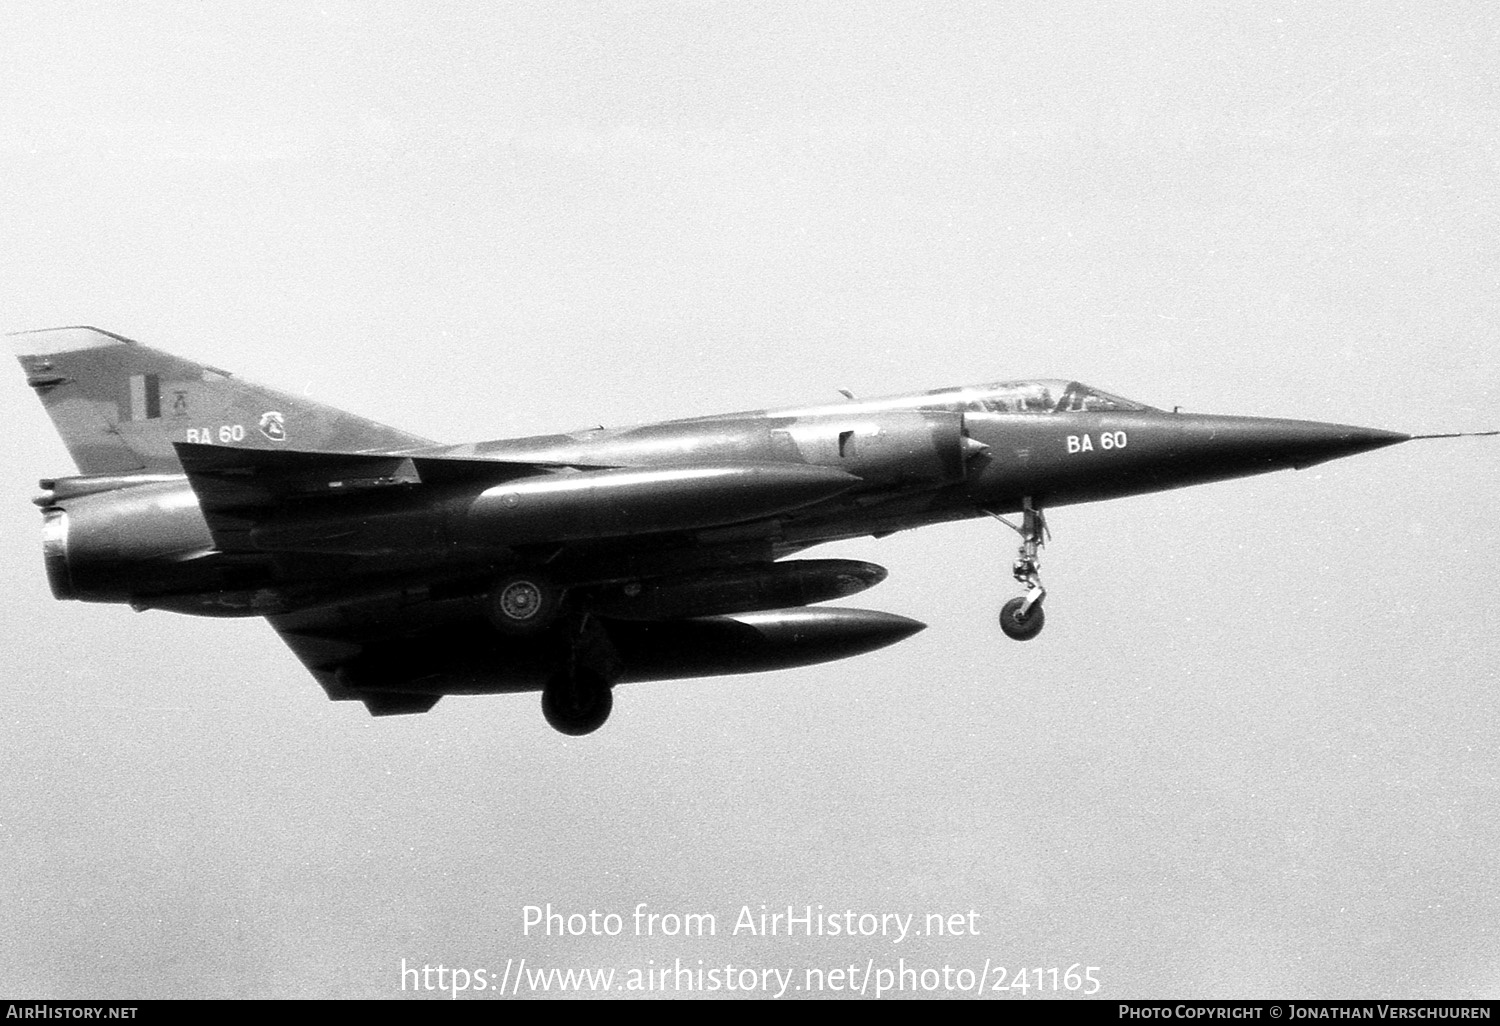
400 570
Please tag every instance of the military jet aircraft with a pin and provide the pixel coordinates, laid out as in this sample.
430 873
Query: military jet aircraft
400 570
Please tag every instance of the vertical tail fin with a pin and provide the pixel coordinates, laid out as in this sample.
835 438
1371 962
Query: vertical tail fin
120 405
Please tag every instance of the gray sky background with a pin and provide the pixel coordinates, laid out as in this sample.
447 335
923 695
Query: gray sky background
1256 751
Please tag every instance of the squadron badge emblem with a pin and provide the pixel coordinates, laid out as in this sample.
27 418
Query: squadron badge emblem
273 426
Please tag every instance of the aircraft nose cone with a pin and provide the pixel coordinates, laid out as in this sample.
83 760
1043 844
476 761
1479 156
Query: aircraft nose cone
1266 443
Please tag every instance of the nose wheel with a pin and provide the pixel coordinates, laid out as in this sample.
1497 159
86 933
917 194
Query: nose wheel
1020 623
1022 618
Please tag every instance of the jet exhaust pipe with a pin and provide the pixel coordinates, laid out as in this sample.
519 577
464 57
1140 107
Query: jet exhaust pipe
110 546
55 554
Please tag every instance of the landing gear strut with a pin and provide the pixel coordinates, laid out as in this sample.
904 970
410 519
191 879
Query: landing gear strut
1021 618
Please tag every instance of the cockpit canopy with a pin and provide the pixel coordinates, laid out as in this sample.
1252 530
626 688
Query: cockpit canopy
1048 395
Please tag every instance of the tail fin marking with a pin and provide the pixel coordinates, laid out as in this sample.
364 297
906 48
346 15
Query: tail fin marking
119 405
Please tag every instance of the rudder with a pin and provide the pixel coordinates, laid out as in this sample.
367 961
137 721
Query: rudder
119 405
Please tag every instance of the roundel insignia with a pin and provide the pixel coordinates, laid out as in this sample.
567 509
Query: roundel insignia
273 426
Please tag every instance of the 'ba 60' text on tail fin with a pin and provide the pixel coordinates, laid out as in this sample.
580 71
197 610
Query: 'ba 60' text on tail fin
119 405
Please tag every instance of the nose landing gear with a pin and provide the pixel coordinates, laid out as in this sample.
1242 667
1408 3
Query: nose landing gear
1022 618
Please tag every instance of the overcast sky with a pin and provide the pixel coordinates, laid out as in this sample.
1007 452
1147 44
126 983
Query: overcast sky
1256 751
